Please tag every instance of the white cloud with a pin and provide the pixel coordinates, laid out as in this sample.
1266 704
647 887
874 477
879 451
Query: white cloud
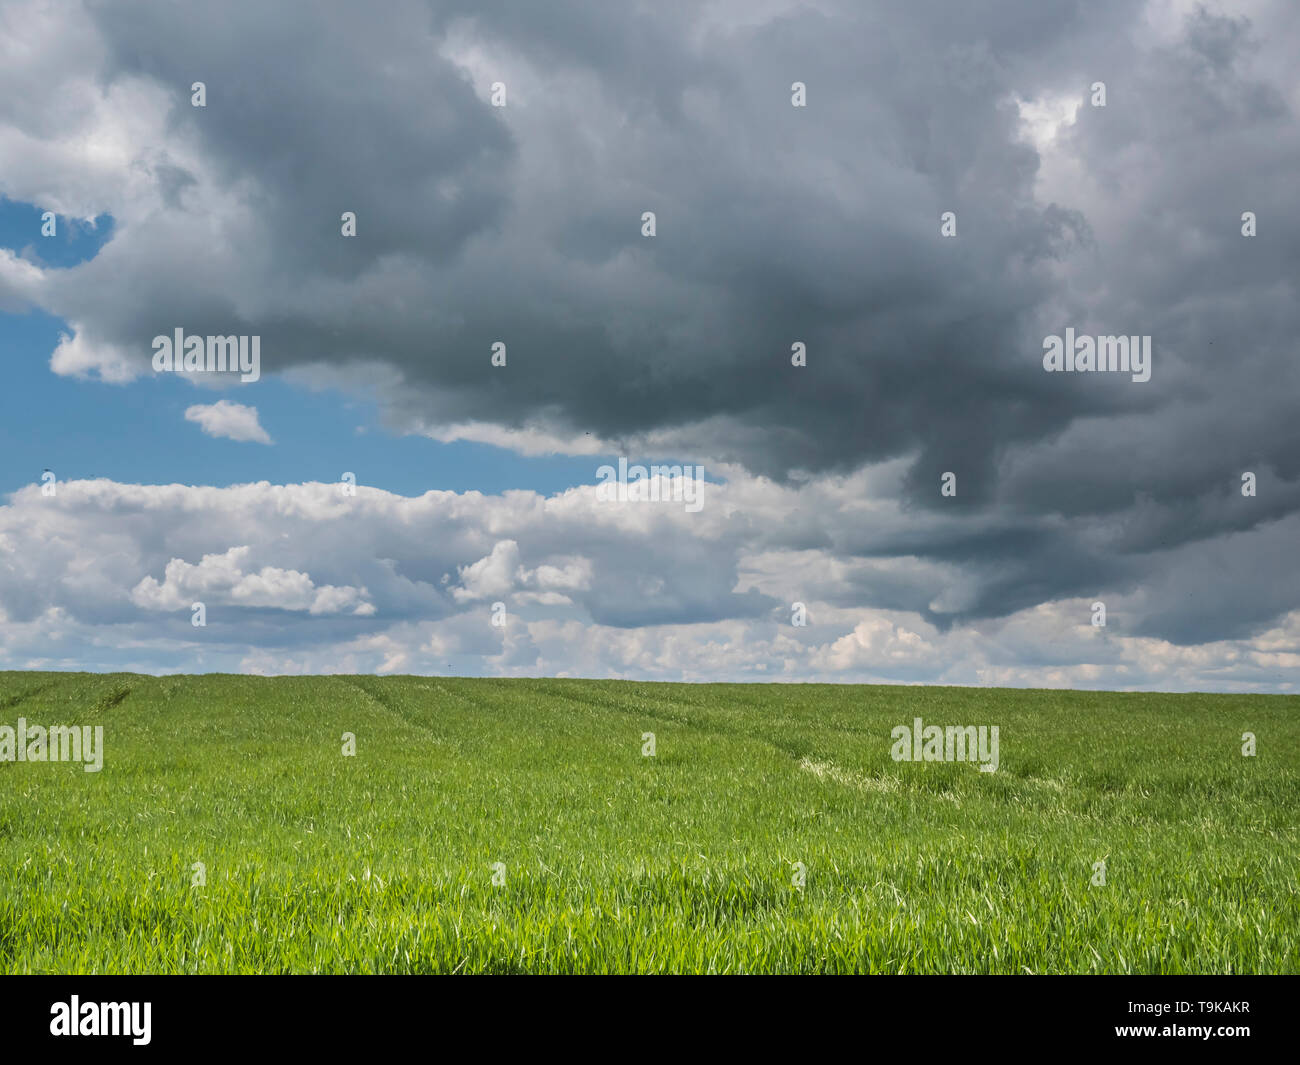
492 576
222 579
231 421
298 578
527 441
77 356
876 644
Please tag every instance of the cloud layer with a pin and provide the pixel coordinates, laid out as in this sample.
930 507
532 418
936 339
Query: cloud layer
322 580
775 225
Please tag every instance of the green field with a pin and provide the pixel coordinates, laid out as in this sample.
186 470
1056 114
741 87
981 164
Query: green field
616 862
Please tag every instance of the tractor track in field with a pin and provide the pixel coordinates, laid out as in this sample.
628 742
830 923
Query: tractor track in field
9 702
708 730
385 703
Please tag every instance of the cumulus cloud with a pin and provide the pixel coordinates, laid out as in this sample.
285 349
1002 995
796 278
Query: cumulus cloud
231 421
492 575
304 578
221 579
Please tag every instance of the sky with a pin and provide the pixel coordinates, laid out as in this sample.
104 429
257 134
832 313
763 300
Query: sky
812 253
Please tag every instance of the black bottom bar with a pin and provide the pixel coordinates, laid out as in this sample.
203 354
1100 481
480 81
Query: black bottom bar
1217 1015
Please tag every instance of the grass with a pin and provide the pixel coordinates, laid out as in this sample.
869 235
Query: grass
615 862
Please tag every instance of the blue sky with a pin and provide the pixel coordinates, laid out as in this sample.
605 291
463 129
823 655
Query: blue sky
137 431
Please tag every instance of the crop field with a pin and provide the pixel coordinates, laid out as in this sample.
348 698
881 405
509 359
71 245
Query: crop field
521 826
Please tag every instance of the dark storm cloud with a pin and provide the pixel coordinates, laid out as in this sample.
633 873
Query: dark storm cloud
775 224
339 109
